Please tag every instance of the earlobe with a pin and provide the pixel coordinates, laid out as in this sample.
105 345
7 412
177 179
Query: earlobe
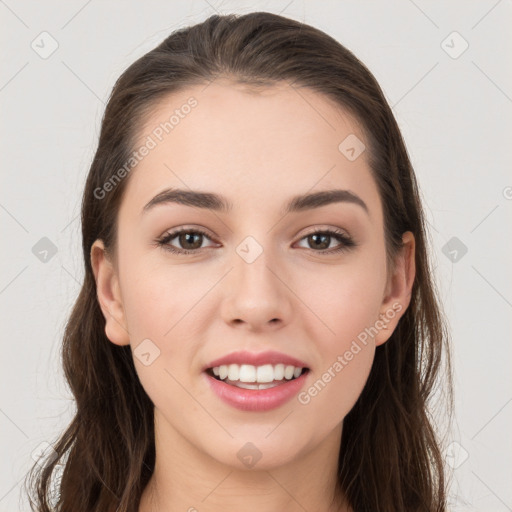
398 292
109 296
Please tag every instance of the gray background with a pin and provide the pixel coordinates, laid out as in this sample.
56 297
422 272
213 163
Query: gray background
454 111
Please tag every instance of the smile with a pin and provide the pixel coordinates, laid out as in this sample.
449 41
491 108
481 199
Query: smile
248 376
281 385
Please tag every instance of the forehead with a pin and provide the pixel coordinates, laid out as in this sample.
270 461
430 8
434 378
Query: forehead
274 142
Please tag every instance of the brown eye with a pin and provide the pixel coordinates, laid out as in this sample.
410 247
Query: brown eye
188 240
320 241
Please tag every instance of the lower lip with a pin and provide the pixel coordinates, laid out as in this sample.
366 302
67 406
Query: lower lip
256 399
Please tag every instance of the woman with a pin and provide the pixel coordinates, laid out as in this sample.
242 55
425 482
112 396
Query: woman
258 327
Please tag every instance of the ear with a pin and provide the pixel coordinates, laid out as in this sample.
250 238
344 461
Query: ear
397 295
109 295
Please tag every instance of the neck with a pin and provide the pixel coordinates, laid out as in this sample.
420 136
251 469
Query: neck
188 479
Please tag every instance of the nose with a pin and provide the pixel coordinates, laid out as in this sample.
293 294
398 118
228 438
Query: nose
258 295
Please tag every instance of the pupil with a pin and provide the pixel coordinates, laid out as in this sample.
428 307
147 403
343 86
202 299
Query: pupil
324 245
185 239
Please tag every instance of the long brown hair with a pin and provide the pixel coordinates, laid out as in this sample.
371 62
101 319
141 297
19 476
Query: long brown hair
391 456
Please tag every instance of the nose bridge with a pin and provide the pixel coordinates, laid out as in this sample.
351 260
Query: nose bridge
256 295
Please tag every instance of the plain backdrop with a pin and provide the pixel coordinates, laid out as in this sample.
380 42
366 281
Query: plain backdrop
443 67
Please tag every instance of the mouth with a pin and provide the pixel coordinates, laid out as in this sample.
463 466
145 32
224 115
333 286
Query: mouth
256 382
246 376
256 388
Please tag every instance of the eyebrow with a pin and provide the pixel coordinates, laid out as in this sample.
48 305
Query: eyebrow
218 203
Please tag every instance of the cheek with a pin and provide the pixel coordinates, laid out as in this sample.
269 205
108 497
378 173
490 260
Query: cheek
168 305
332 392
347 302
158 297
344 337
159 306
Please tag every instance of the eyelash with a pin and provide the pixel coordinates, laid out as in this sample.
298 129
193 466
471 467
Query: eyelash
346 242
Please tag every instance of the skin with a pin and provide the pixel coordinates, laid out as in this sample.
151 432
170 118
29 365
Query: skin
257 149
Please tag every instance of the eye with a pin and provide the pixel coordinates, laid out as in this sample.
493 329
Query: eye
189 239
321 239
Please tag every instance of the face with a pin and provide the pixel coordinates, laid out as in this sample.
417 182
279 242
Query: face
308 283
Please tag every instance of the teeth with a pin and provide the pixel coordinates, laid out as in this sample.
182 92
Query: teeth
244 385
279 372
288 372
223 371
247 373
233 372
256 374
265 373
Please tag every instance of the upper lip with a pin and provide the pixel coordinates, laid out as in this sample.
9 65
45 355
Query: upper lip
256 359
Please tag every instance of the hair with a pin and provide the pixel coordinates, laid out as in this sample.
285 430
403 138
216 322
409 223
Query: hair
391 452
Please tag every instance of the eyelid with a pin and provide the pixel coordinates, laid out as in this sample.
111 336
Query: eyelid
319 228
188 227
